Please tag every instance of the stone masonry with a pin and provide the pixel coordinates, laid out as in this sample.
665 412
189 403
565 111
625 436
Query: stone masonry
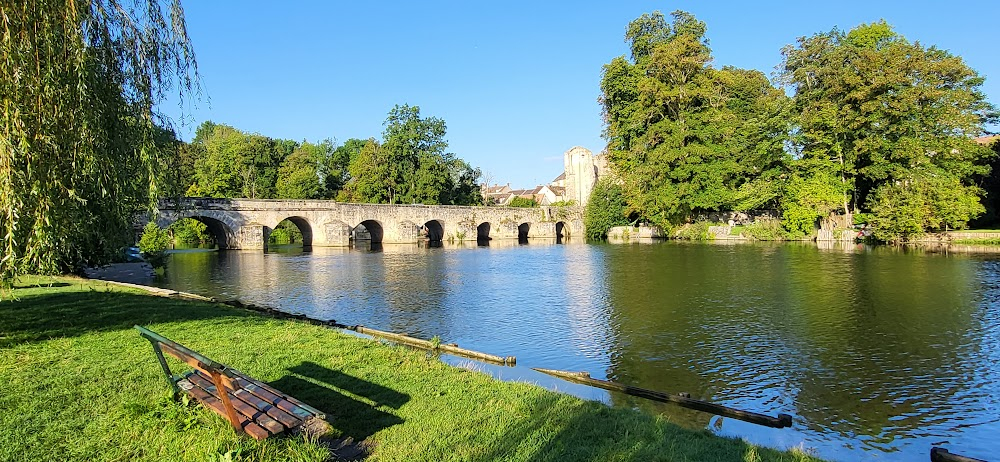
247 223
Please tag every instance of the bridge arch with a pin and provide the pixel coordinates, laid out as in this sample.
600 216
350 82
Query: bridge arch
368 230
483 231
563 230
301 223
223 233
522 231
434 230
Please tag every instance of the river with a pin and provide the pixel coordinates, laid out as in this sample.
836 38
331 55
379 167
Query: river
876 352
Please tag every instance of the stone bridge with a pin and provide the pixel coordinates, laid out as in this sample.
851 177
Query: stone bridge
247 223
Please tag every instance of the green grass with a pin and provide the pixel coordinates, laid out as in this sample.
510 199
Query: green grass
80 384
976 241
975 231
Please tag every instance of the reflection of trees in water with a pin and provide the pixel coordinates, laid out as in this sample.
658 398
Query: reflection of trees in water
863 344
415 292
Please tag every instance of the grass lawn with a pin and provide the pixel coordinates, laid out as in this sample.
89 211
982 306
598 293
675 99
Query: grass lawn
78 383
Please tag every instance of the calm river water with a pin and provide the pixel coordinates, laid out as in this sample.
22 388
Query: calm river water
877 353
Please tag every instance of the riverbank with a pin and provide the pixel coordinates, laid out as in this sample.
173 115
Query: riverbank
80 384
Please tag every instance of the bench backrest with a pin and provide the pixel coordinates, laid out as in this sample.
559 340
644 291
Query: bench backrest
190 357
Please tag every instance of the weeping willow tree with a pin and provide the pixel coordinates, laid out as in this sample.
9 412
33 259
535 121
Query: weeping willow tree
80 82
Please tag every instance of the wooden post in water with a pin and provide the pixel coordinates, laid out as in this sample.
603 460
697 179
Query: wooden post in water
782 421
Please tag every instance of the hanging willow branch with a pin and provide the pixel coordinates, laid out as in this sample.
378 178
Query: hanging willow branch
80 81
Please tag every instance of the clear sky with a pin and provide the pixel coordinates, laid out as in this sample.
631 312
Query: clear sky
516 82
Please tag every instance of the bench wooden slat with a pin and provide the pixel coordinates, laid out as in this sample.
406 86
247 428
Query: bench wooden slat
282 401
246 410
286 419
280 404
215 405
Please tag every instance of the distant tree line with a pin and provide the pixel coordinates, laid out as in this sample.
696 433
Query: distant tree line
410 165
877 128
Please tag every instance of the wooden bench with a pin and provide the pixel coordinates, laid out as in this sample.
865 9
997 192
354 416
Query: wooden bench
249 405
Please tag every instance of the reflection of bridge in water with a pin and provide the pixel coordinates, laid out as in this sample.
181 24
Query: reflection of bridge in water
247 223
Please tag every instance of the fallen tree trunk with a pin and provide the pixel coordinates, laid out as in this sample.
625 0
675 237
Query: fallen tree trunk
428 345
782 421
939 454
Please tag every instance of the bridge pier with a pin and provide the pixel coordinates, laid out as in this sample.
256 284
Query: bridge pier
250 236
543 230
335 234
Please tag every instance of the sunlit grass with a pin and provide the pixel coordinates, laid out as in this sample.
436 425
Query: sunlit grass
80 384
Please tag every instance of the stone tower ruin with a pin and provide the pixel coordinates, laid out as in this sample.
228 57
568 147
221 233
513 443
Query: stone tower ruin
582 169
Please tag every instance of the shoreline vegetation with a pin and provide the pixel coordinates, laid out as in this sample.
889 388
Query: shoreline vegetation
81 385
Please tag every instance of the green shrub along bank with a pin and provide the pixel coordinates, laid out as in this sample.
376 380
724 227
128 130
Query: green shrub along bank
188 232
154 244
80 384
605 210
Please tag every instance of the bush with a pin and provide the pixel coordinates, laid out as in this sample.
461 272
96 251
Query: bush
697 231
522 202
153 245
905 210
765 230
606 209
189 232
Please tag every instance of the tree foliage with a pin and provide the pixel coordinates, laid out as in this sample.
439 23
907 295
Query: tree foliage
606 209
683 136
237 164
335 169
890 118
877 124
299 174
411 165
188 232
80 82
154 244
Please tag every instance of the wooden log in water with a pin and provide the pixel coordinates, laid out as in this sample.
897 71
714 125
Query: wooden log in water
427 345
782 421
939 454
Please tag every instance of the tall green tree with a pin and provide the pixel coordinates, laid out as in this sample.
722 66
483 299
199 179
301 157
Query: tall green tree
890 118
80 81
415 146
299 175
411 165
335 168
684 136
238 164
372 180
464 180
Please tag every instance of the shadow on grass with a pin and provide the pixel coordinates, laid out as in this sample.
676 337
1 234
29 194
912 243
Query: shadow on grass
558 430
323 389
44 313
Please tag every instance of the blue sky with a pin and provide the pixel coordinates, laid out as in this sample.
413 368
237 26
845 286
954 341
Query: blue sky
516 82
